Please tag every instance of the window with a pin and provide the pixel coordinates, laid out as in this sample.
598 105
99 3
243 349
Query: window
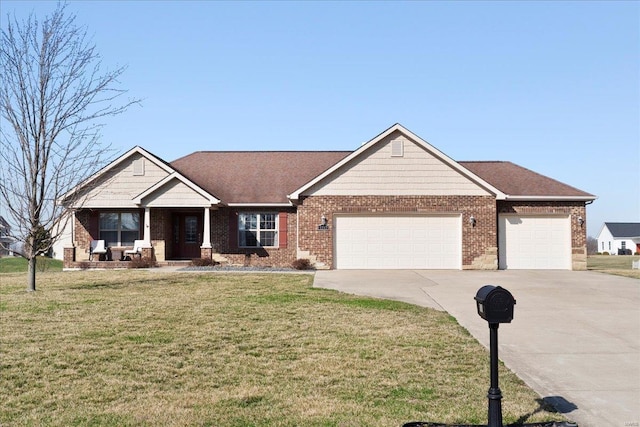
258 229
119 228
623 245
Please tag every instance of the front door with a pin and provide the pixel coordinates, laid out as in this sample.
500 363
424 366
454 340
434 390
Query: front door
187 235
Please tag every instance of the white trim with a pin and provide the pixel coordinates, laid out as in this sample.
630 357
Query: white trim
258 229
147 227
431 149
206 234
175 175
259 205
135 150
550 198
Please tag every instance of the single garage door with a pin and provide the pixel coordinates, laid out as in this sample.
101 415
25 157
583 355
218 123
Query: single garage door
398 242
534 242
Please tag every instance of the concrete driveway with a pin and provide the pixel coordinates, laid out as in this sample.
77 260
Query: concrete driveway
575 337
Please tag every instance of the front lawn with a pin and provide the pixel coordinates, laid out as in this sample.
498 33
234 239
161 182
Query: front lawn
614 264
125 348
19 264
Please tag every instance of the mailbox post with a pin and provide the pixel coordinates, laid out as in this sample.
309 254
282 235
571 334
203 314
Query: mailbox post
495 305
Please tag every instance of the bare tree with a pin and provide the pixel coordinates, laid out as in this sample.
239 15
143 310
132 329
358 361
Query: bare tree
52 97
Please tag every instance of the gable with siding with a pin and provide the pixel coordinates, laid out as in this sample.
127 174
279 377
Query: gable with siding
117 187
396 165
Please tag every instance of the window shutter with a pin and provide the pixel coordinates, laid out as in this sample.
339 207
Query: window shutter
282 230
94 225
233 230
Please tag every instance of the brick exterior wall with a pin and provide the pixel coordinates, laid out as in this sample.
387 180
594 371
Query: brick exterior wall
224 250
479 243
573 209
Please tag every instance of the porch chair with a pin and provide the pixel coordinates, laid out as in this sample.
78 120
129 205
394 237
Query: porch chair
97 247
137 249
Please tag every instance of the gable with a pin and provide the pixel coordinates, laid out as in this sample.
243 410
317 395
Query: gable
175 193
397 165
117 186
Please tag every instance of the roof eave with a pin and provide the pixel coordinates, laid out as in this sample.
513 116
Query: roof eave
261 205
214 201
550 198
295 196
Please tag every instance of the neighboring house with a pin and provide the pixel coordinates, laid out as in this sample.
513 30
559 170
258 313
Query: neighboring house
396 202
619 238
5 239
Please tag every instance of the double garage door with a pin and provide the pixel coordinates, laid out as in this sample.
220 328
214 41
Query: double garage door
534 242
398 242
435 242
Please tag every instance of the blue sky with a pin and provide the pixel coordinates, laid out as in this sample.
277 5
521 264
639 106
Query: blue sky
551 86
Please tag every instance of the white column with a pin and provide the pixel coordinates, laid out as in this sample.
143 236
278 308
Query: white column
206 235
147 228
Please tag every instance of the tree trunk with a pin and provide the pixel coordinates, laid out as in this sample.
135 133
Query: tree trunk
32 274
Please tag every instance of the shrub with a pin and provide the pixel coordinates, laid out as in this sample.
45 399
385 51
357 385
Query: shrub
605 253
141 262
302 264
84 265
203 262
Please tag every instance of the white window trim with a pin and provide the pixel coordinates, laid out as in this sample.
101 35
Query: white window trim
276 239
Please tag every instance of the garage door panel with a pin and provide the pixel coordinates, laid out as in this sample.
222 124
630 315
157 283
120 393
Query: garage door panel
534 242
398 242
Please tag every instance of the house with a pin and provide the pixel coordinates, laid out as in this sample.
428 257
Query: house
5 238
619 238
395 202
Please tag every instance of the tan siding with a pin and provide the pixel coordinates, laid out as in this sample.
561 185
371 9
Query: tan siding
418 172
119 186
175 194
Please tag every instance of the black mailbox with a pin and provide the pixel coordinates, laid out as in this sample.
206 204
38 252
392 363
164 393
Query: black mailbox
495 304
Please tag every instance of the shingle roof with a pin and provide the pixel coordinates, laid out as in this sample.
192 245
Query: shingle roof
255 176
515 180
624 229
269 176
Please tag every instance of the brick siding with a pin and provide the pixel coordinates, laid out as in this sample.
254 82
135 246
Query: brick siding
573 209
478 243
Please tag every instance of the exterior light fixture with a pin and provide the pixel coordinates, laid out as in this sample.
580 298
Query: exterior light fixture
324 223
580 221
472 221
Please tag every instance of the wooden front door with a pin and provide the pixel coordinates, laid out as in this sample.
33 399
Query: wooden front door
187 235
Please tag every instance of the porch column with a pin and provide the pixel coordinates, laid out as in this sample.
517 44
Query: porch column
147 228
206 238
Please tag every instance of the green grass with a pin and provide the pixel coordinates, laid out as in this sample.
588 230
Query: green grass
19 264
614 264
143 348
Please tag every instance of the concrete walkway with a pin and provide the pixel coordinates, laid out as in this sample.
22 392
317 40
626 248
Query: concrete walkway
575 337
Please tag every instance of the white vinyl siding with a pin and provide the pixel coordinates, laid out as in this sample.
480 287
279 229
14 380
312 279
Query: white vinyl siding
534 242
398 242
